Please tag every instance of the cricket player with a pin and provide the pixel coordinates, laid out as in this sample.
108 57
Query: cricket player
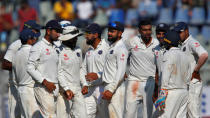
200 55
42 66
114 70
161 29
14 109
141 78
70 60
24 81
92 69
176 75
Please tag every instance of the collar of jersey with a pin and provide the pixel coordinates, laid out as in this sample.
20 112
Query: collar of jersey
26 45
186 40
45 41
174 48
115 43
142 42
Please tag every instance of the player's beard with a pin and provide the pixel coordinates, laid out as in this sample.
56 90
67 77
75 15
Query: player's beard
90 41
112 39
146 39
70 44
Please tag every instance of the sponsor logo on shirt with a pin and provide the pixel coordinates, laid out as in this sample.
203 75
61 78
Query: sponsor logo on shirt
66 57
88 54
136 48
47 52
197 44
122 57
156 54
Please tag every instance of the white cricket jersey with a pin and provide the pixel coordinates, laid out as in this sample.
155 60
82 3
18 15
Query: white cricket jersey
159 51
94 60
142 59
69 69
115 65
192 46
43 62
176 72
12 49
19 64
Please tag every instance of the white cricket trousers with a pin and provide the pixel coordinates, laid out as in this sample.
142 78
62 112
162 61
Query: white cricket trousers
194 103
137 93
46 101
63 106
176 104
13 102
29 105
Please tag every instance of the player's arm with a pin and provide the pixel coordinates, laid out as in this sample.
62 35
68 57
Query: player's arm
202 59
6 65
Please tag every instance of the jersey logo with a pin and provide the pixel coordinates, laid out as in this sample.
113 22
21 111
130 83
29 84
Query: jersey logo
136 48
47 52
111 52
78 54
100 52
197 44
122 57
184 49
66 57
156 53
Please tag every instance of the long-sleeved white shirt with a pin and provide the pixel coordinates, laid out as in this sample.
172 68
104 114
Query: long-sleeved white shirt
115 65
142 59
19 66
192 46
94 61
12 49
43 62
69 69
176 72
159 51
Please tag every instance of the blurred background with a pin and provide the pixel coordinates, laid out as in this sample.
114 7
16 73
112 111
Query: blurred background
13 13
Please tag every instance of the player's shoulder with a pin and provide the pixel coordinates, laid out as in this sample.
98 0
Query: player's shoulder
15 45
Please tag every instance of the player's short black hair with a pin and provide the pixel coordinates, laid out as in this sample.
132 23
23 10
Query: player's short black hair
144 22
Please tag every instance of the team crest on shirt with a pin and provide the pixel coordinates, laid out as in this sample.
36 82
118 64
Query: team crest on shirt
47 52
78 54
100 52
111 52
184 49
66 57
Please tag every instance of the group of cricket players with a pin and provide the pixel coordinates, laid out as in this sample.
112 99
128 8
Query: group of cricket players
49 78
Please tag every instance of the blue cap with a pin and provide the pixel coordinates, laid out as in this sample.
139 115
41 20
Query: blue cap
31 24
180 26
93 28
162 27
54 24
172 38
116 25
26 34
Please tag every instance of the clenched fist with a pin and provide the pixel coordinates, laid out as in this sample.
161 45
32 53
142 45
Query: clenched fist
49 85
84 90
107 95
69 94
91 77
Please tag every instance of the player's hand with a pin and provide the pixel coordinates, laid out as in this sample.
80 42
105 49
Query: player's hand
107 95
91 77
196 75
49 85
125 76
84 90
69 94
161 99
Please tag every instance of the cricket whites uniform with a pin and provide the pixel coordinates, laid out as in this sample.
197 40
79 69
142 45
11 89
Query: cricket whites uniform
25 83
113 77
176 76
94 62
69 79
141 80
14 108
42 64
192 46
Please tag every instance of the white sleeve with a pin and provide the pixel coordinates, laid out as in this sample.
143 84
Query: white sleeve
33 61
11 50
197 48
83 72
167 70
121 57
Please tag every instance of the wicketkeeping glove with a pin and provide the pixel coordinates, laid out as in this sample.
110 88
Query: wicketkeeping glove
161 99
